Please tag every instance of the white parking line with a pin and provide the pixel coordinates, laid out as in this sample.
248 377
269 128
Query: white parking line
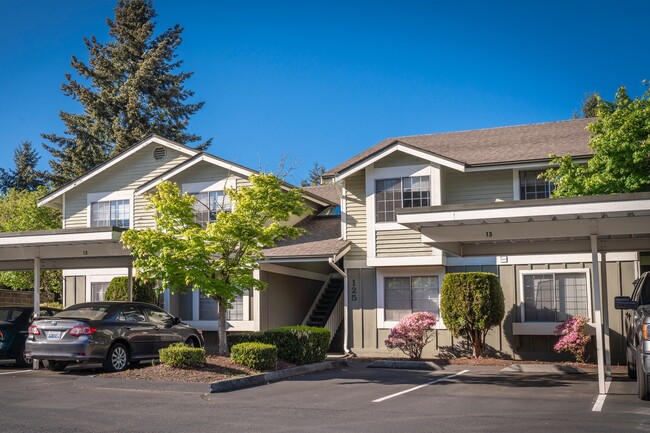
420 386
15 372
598 405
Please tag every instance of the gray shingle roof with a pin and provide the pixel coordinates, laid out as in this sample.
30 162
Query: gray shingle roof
322 239
326 192
509 144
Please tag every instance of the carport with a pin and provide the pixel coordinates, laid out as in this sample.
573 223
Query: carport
594 224
83 248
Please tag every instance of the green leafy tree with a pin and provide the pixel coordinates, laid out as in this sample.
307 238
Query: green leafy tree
118 290
470 304
130 87
314 176
19 212
25 176
220 259
620 141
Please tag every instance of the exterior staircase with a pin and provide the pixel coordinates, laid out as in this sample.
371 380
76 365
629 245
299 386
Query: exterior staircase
327 309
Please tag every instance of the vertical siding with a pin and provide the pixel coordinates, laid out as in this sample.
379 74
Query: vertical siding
355 202
131 173
401 243
480 187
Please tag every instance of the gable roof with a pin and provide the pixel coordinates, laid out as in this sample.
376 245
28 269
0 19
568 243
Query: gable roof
485 147
326 192
322 238
51 197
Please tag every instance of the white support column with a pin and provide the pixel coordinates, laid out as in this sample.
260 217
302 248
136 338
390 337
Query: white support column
605 309
257 310
37 294
130 282
597 314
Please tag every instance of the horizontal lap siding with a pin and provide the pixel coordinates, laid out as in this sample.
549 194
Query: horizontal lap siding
401 243
129 174
355 218
482 187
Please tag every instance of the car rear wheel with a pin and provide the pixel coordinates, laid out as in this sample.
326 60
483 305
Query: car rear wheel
642 379
192 342
117 358
55 365
631 364
21 359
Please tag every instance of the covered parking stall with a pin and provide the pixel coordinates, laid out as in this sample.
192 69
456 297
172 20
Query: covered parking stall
594 224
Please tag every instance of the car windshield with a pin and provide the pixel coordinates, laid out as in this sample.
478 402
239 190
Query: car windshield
10 314
90 312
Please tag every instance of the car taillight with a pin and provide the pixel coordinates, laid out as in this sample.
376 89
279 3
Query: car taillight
646 331
2 336
33 330
82 330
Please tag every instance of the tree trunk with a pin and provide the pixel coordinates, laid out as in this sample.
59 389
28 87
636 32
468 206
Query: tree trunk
477 343
223 341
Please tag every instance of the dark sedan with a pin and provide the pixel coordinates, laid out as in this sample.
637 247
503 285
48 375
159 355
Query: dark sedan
113 333
14 322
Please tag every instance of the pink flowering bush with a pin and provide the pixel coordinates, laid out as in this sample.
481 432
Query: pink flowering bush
573 337
410 335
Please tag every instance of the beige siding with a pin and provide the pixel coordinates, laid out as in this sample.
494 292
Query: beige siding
481 187
400 159
355 218
131 173
142 216
401 243
286 300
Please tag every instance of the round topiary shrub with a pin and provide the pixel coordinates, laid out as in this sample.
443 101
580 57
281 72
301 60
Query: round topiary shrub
181 355
118 290
470 304
258 356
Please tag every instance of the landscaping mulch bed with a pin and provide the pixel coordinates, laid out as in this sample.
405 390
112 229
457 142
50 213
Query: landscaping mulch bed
215 369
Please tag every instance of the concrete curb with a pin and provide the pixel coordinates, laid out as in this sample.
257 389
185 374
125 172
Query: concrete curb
274 376
542 369
405 365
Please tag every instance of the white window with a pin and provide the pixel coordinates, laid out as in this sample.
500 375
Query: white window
392 194
406 295
209 308
554 296
531 187
98 290
113 213
208 204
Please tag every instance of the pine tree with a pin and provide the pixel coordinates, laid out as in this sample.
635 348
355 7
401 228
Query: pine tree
130 88
314 176
25 177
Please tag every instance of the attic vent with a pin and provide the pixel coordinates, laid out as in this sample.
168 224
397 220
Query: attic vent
159 153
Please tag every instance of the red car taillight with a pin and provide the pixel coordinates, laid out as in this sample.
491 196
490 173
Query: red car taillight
2 336
646 331
82 330
33 330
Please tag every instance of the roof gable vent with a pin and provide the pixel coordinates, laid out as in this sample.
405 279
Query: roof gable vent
159 153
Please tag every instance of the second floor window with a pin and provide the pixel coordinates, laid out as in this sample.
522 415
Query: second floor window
530 187
208 204
114 213
392 194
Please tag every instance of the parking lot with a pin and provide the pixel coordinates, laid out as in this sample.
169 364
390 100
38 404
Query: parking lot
356 399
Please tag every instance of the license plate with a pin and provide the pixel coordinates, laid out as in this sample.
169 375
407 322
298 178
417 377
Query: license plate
53 335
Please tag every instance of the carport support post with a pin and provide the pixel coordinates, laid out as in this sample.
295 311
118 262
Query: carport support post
597 314
608 351
130 283
37 294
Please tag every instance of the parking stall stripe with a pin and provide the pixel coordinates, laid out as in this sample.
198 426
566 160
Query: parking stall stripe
379 400
15 372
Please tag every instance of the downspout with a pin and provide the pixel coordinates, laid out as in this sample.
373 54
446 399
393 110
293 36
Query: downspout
332 262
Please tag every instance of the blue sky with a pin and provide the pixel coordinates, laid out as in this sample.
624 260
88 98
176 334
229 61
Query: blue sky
321 81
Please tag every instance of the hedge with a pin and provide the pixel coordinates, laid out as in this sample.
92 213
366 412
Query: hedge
300 344
118 290
182 355
245 337
258 356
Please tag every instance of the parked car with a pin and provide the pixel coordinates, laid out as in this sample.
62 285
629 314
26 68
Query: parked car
14 321
113 333
637 330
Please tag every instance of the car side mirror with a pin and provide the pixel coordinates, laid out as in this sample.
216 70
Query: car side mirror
176 320
625 303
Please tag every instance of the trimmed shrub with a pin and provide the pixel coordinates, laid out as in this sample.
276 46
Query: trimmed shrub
300 344
470 304
182 355
573 337
245 337
118 290
411 333
258 356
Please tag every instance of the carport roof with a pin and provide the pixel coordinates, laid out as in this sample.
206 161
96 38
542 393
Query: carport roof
621 222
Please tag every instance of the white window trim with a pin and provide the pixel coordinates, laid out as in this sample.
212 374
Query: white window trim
372 175
198 187
522 273
247 324
382 273
100 197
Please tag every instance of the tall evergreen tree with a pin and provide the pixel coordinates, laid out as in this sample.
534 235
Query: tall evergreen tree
25 177
133 89
314 175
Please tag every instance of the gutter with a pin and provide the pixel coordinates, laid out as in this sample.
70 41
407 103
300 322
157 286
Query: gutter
332 261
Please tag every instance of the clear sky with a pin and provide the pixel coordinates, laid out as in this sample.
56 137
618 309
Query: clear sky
323 80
